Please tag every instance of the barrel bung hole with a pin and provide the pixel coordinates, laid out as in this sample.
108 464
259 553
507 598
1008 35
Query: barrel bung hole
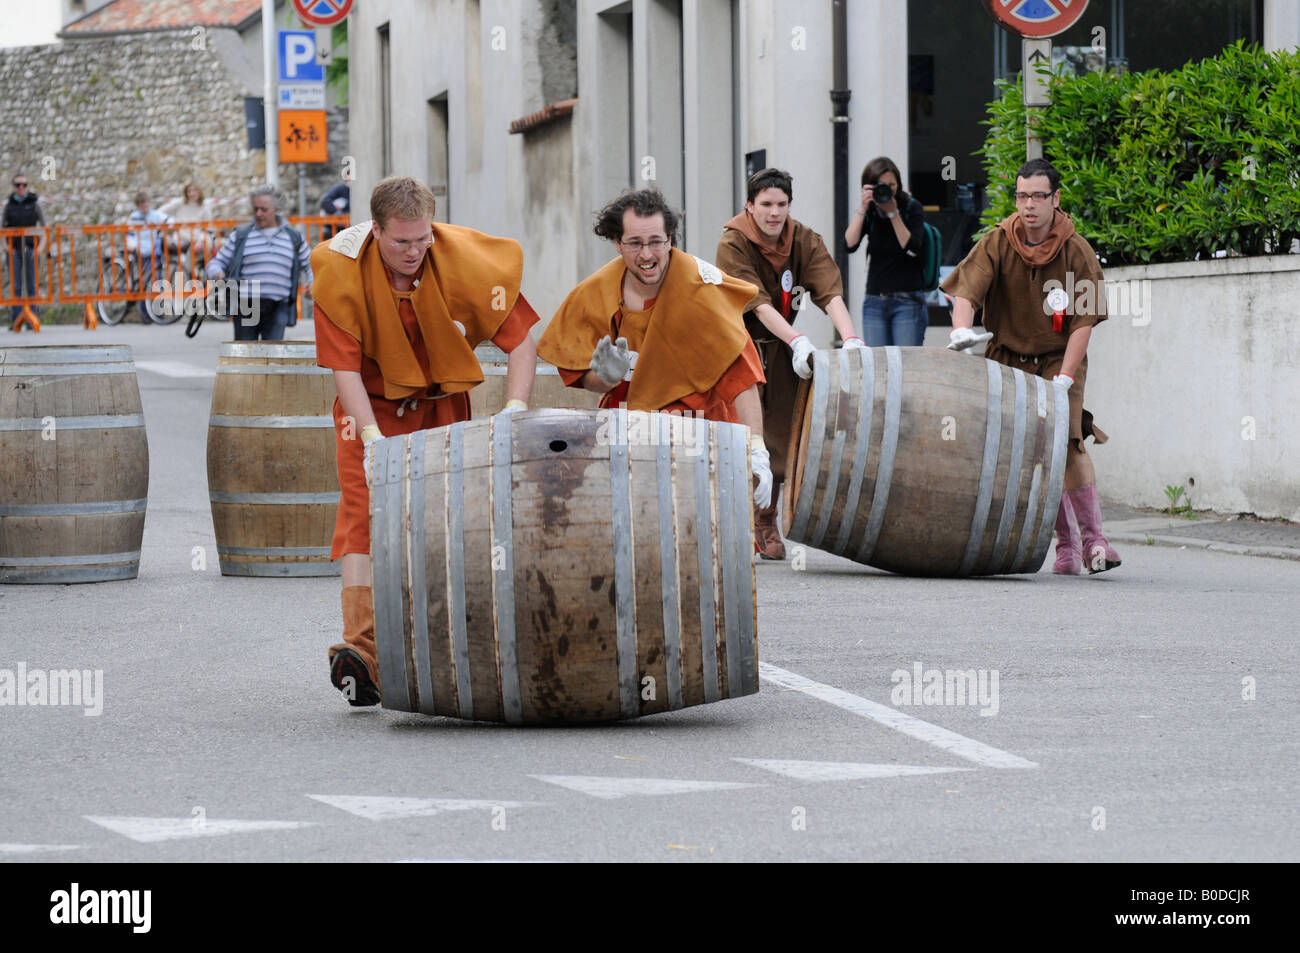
559 445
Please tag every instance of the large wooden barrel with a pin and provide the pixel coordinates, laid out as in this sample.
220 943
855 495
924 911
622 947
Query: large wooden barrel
548 390
272 477
564 565
925 461
74 464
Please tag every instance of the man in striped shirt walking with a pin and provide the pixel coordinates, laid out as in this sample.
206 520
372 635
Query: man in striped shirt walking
269 259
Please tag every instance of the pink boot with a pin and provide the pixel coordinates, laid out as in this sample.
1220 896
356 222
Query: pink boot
1068 559
1098 555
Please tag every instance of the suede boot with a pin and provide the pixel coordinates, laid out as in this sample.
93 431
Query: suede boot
1098 556
1068 560
353 669
767 538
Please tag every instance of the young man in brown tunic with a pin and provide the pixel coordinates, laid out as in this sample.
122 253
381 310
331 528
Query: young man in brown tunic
766 247
1040 285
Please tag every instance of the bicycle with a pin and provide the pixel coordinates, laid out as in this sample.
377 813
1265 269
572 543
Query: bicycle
123 276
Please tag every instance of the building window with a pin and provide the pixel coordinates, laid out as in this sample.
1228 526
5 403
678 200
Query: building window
439 157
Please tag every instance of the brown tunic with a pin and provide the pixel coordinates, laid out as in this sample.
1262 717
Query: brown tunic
742 254
1011 280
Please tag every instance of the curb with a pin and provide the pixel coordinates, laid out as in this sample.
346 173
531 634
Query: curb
1186 542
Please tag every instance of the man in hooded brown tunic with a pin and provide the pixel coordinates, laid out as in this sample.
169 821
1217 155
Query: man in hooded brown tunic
788 262
1040 285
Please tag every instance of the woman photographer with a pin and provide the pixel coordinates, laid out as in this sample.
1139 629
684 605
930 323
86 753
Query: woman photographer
893 311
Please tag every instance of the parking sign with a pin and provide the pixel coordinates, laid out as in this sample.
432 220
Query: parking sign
298 58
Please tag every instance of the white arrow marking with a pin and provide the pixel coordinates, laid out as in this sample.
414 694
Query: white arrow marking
174 369
35 848
611 788
387 808
148 830
949 741
840 770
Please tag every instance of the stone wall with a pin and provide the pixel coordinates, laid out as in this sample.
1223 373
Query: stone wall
92 121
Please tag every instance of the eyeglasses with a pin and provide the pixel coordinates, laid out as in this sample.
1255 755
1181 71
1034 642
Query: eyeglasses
1034 196
659 244
416 243
20 185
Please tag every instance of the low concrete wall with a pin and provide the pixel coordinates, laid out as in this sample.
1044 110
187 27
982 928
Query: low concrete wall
1196 378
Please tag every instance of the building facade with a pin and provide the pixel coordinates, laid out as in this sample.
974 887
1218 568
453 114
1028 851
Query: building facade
475 96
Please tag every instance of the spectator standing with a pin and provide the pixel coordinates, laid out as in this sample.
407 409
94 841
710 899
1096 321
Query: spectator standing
270 259
893 309
146 244
23 210
337 201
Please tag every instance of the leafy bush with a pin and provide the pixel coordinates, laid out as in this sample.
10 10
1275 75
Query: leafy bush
1166 166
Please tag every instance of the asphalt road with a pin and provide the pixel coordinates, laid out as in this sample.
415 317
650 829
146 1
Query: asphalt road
1120 730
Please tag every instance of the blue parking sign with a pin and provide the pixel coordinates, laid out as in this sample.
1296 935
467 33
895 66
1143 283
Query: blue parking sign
298 58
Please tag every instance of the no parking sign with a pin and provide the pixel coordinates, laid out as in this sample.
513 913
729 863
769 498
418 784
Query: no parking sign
1036 19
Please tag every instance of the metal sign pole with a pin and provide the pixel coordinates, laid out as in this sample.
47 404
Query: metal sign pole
270 72
1038 92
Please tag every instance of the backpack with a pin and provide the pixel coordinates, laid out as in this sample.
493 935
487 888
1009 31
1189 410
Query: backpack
931 252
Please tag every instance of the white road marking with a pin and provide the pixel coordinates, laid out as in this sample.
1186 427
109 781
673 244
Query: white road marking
610 788
174 369
840 770
35 848
474 860
387 808
148 830
949 741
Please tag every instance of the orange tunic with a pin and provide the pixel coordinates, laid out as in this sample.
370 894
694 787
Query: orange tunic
695 354
425 401
717 403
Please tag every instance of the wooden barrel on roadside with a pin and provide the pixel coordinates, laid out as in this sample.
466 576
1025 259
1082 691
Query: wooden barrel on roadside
925 461
548 389
564 566
74 464
272 477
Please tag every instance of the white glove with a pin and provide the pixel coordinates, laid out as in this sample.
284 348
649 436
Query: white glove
803 352
852 344
611 361
369 435
513 407
963 339
761 463
1063 381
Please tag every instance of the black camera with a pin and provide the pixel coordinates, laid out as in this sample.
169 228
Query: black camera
882 192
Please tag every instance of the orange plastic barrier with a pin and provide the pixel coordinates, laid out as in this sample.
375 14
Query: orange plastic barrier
104 266
13 265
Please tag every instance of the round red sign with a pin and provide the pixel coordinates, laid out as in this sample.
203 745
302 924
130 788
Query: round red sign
322 12
1036 18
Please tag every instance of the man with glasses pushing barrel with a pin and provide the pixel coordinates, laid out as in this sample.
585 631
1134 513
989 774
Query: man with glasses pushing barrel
401 303
657 329
1040 285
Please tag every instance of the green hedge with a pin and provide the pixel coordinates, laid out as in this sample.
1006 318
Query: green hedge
1166 166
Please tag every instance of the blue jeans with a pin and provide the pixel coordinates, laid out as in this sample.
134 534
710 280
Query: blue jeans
899 319
17 269
273 319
